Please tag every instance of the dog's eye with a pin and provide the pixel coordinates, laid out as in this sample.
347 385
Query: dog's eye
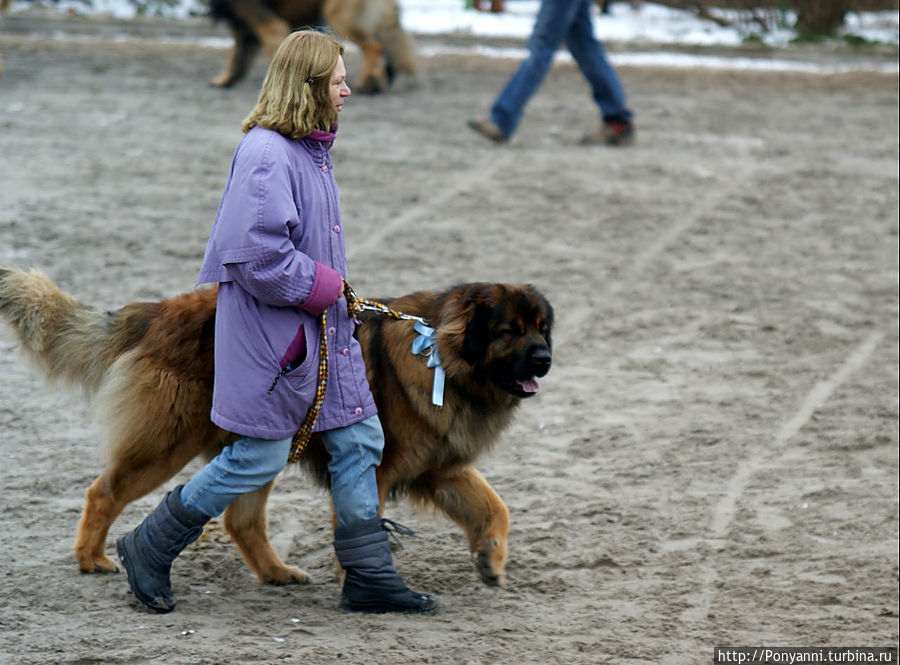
513 329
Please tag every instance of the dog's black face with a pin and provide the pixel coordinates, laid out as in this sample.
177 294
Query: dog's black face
507 338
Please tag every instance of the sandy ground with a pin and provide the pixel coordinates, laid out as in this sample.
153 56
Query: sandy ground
713 459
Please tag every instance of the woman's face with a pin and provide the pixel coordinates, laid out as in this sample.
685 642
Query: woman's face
338 85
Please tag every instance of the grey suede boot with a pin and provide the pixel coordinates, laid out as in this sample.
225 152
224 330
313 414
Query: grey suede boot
148 551
372 584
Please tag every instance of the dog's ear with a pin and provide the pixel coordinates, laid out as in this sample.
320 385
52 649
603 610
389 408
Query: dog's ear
478 334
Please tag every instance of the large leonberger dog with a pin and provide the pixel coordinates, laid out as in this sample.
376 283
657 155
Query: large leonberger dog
149 366
373 25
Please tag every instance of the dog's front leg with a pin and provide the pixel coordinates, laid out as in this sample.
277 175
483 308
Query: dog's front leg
245 521
467 499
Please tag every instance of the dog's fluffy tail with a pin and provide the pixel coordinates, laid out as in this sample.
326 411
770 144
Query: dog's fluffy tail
68 341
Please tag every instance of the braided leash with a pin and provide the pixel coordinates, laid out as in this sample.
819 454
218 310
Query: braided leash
301 438
355 306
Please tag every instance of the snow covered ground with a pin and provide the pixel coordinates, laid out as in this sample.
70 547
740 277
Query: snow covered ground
652 28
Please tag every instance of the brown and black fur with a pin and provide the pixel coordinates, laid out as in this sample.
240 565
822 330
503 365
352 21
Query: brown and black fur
373 25
149 367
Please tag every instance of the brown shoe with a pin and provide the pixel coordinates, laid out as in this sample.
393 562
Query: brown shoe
488 130
611 133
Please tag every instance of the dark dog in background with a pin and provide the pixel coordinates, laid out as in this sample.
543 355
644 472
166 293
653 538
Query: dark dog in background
149 366
374 25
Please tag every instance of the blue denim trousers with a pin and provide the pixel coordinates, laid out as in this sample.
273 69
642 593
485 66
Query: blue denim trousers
558 21
249 463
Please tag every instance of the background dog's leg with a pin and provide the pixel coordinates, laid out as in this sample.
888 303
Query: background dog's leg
373 75
271 33
358 21
246 523
467 499
400 52
246 45
253 24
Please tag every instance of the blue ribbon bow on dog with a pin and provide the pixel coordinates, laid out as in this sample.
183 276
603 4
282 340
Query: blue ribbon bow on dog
426 344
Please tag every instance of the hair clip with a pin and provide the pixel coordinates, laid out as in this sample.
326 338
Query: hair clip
310 80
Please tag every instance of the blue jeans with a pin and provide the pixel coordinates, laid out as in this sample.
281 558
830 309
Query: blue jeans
249 463
558 21
355 451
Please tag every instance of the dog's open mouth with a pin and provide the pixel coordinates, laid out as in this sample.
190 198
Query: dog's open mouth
526 387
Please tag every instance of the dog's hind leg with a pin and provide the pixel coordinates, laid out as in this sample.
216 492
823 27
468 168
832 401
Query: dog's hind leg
271 33
252 24
245 47
100 511
120 484
466 498
246 523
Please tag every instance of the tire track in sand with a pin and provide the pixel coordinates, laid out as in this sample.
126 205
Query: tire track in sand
378 239
700 603
575 324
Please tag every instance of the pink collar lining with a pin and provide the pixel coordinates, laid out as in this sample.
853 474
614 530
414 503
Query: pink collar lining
322 135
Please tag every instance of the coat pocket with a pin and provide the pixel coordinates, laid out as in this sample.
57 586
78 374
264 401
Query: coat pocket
296 352
293 358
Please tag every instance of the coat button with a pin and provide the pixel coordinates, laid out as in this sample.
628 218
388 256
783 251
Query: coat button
358 411
332 330
337 228
345 352
324 168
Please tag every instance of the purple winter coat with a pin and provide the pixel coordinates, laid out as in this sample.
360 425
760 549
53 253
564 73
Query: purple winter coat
277 251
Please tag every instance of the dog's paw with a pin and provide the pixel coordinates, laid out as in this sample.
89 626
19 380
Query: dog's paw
489 561
286 575
97 564
223 80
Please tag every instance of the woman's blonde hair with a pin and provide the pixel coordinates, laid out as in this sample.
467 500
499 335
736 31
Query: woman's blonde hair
295 97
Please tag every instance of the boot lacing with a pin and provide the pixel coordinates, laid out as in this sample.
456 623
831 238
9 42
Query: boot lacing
394 528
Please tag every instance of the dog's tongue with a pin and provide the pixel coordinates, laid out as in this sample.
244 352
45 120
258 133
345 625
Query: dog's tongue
529 385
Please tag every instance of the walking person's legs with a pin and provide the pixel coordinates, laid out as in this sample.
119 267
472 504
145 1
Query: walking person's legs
550 27
616 127
148 551
355 453
242 467
361 543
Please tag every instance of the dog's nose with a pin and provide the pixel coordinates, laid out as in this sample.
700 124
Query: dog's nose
540 360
